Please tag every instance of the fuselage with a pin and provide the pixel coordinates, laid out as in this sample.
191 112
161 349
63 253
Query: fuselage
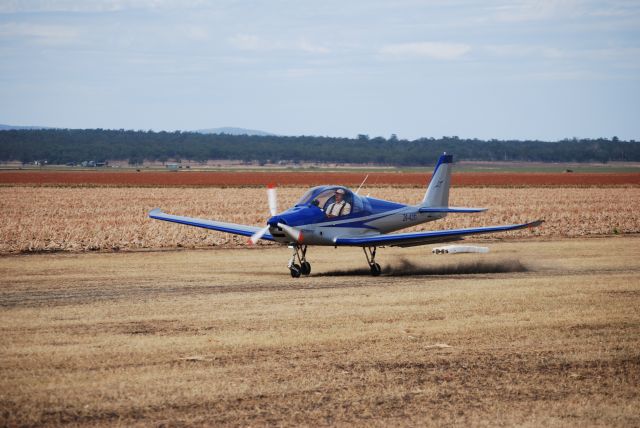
368 216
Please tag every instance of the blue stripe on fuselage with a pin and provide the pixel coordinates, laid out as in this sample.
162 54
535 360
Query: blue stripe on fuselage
379 208
306 215
361 221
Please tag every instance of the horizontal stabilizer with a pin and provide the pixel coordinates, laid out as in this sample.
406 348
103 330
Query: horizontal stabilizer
451 210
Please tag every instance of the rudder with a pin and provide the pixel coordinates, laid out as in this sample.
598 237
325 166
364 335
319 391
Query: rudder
437 194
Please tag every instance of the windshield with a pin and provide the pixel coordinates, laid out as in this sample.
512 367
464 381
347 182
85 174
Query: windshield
308 195
324 196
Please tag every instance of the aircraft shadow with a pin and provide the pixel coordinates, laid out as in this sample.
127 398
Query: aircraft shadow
406 267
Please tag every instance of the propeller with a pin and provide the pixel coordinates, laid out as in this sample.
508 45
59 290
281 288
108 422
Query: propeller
272 198
258 235
292 232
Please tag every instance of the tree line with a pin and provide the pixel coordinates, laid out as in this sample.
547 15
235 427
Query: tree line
61 146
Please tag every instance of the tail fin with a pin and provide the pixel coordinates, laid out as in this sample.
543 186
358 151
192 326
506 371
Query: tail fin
437 194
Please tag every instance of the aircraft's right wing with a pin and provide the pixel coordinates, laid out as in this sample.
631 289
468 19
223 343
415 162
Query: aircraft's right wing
451 210
424 238
237 229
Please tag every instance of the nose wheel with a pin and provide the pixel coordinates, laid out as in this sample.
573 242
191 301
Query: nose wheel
370 254
298 265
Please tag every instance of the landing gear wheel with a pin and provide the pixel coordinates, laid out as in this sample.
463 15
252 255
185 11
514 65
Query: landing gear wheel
299 255
305 268
376 269
370 254
295 271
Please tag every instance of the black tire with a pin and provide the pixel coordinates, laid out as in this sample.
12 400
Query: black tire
295 271
376 270
305 268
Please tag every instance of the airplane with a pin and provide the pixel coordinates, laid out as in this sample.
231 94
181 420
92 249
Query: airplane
367 222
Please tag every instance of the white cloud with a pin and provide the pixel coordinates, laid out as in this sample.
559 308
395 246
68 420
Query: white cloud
615 54
196 33
251 42
568 75
433 50
35 6
248 42
524 51
306 46
43 34
533 10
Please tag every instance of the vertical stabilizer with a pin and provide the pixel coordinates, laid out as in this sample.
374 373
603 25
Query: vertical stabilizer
437 194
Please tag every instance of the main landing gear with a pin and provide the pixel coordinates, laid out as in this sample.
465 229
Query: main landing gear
298 265
370 254
303 267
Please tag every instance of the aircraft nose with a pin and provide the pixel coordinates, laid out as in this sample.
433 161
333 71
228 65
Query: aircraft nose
273 221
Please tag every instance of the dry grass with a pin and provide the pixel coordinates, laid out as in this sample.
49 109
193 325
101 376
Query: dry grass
73 219
227 338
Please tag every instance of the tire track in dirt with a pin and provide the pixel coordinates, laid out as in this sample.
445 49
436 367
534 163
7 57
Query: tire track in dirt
356 278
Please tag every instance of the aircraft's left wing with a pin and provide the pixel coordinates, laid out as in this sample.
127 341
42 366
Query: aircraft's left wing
424 238
237 229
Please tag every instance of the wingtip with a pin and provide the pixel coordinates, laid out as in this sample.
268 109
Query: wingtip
154 211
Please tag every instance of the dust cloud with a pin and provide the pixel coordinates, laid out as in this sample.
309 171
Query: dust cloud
405 267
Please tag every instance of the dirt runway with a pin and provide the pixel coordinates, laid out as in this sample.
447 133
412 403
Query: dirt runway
537 332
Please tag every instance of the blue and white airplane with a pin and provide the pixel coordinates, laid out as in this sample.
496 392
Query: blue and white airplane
336 216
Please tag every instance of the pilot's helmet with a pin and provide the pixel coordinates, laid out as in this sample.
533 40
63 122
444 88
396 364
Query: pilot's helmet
341 191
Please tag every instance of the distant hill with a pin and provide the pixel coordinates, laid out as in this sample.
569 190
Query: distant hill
228 130
12 127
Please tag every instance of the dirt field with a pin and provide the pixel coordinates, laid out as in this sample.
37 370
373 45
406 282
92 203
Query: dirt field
76 219
245 178
534 333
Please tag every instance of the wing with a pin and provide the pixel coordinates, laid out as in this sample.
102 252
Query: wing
425 238
237 229
451 210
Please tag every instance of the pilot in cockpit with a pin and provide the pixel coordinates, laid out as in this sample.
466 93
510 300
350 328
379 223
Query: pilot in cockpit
339 207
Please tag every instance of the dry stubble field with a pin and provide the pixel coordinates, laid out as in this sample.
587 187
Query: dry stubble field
535 333
544 330
74 218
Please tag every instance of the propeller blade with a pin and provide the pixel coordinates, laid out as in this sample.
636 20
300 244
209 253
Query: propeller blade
291 232
273 199
273 208
259 234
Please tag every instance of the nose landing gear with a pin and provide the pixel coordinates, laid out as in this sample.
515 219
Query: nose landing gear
303 267
370 254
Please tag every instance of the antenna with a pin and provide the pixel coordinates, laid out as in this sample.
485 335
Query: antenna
361 184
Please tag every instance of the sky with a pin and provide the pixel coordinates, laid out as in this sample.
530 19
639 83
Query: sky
523 69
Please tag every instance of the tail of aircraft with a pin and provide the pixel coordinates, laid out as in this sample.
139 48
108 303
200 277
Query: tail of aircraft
437 194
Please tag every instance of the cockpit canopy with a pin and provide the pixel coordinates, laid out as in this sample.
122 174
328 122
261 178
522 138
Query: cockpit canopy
323 196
